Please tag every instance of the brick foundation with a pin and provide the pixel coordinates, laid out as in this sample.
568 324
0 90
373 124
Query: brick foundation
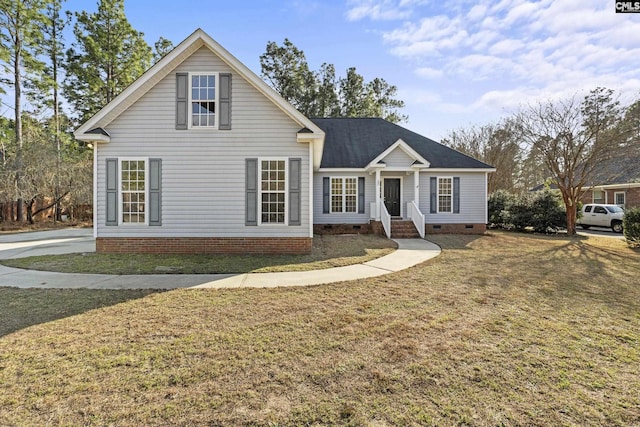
455 228
343 229
375 227
204 245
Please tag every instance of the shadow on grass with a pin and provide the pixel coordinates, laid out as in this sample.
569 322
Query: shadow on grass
454 241
591 272
21 308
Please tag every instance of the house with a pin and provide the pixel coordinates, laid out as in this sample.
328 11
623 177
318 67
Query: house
615 181
199 155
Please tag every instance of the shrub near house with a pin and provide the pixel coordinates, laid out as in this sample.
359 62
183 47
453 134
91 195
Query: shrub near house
631 226
543 211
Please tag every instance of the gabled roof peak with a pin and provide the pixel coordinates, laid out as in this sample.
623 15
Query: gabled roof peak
167 64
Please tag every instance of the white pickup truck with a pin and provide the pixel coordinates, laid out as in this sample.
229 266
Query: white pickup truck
596 215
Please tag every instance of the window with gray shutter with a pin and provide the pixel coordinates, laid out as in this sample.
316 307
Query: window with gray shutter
295 175
182 101
326 194
225 102
155 191
112 192
251 192
456 194
433 200
361 194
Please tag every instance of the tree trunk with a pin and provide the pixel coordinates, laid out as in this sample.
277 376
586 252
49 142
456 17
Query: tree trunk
30 204
18 120
570 205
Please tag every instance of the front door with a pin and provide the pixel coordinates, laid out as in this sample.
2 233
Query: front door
392 196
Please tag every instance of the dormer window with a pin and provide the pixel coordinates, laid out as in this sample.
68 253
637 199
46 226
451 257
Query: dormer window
203 100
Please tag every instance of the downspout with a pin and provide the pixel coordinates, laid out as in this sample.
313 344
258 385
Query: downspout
95 190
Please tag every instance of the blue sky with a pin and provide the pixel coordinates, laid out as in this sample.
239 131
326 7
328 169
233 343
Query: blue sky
455 63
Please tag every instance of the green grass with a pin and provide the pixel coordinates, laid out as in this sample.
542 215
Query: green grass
328 251
504 329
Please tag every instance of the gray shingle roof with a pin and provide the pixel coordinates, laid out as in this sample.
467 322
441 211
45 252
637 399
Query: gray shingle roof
355 142
620 169
623 168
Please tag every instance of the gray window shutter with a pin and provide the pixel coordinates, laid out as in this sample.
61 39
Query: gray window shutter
456 194
182 100
155 191
434 195
251 187
361 194
295 175
112 192
325 194
224 99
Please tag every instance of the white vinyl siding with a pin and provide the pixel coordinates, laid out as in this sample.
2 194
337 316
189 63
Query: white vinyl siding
203 170
398 158
473 205
344 217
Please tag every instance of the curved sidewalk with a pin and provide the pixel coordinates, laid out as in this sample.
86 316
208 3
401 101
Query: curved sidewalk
409 253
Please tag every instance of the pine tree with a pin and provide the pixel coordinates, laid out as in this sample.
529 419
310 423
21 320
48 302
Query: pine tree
107 56
18 51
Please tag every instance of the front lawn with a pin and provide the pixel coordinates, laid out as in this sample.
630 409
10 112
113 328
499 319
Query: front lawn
328 251
505 329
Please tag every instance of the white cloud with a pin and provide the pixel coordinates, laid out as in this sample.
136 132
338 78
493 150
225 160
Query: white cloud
379 10
498 55
429 73
478 60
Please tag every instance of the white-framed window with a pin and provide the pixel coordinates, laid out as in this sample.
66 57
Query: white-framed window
273 191
445 194
133 184
619 198
344 194
203 100
598 196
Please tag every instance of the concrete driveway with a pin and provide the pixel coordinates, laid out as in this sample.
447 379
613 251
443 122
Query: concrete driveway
409 253
51 242
599 231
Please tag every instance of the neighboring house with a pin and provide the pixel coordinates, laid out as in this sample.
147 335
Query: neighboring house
199 155
615 181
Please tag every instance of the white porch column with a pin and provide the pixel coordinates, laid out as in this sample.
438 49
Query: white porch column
377 194
416 187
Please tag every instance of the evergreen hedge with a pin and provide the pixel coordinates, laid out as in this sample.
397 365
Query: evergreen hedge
631 227
542 211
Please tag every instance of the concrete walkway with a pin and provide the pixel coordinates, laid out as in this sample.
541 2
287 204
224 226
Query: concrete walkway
409 253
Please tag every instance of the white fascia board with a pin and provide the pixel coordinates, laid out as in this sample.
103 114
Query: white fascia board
613 186
91 137
404 147
459 170
338 170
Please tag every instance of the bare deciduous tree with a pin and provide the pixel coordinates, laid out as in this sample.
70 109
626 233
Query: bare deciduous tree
496 144
572 138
